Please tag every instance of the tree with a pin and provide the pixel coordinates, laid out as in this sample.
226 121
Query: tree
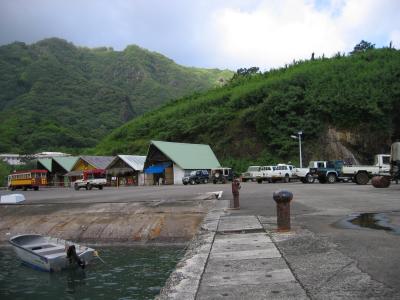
362 47
245 73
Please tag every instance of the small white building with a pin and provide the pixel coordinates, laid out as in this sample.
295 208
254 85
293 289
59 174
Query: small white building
12 159
169 162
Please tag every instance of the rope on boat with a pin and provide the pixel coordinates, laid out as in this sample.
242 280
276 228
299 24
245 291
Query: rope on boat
95 253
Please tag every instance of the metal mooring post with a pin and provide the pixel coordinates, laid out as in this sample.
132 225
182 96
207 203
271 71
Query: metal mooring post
282 199
235 191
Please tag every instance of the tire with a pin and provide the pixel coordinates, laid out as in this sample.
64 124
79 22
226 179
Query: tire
24 188
310 178
259 181
286 179
100 187
35 188
214 181
76 187
205 181
361 178
185 183
89 186
192 182
331 178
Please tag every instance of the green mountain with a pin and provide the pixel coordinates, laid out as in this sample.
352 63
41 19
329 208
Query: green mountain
347 106
56 96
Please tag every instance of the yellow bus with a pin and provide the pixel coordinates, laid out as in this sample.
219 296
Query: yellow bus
29 179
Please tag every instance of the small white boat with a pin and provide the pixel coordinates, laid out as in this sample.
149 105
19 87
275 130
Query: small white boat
50 254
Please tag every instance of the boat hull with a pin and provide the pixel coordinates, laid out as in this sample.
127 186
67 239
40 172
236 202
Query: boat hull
48 254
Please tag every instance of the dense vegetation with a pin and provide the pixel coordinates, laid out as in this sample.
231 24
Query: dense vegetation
251 119
58 97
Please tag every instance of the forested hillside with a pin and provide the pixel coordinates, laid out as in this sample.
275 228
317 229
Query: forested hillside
56 96
345 105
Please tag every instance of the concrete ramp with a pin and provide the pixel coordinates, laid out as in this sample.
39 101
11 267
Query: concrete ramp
242 263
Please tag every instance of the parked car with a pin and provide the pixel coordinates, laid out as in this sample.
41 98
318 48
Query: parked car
336 170
221 175
196 177
251 173
305 174
282 172
91 178
264 174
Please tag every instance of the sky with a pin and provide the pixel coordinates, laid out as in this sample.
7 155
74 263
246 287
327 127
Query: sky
225 34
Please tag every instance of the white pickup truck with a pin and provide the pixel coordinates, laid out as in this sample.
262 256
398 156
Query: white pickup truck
265 173
91 178
305 175
251 173
362 174
336 170
282 172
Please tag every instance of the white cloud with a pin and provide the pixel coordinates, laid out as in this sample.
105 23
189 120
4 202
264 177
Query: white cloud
276 32
208 33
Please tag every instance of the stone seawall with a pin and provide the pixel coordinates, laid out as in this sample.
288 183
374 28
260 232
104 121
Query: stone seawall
107 223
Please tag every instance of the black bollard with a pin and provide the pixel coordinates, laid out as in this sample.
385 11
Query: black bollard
282 199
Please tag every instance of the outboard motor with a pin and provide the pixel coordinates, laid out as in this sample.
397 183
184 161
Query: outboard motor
72 256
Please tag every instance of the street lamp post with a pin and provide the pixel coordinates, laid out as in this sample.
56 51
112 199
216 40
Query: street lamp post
299 138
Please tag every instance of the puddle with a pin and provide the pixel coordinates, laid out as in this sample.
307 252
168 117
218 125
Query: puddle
377 221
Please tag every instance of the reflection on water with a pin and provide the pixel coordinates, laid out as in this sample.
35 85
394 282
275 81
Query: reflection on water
128 273
377 221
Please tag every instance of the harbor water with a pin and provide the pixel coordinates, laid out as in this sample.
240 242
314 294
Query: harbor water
127 273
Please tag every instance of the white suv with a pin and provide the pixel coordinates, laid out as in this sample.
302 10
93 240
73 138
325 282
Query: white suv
282 172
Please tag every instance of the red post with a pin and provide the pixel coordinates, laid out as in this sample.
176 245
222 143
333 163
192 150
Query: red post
282 199
235 191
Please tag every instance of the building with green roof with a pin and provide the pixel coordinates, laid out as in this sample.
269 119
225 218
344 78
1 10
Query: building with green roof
172 161
57 167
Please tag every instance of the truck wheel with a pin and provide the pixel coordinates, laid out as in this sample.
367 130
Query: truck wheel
362 178
192 181
100 187
286 179
310 178
205 181
214 181
76 187
35 188
259 181
89 186
185 183
331 178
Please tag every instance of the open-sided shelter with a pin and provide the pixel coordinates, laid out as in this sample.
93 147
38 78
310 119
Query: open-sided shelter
126 170
88 163
169 162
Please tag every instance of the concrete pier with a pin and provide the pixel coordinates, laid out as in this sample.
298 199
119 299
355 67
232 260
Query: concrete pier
237 260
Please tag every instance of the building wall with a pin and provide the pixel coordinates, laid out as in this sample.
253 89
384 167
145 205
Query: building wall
82 165
141 178
178 174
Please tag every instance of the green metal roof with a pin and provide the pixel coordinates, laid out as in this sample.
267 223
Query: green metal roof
189 156
46 162
67 162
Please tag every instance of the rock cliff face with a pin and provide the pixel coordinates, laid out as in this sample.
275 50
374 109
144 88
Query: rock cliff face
352 145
